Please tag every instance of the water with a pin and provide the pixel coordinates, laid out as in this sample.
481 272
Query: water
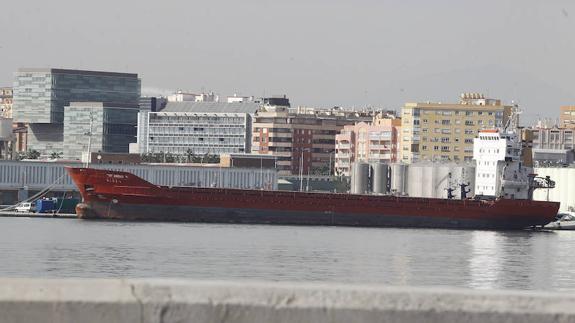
411 257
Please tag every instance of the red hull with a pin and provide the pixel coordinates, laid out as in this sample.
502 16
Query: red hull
124 196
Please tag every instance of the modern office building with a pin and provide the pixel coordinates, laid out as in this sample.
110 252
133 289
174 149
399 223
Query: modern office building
445 131
152 103
567 116
371 142
6 97
198 127
40 96
98 127
303 142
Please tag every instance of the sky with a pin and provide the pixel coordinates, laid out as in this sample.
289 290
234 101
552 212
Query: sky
325 53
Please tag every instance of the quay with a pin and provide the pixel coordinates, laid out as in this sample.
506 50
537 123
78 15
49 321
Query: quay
153 300
10 214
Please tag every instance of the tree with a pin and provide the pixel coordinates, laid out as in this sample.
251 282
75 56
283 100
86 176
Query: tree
32 154
169 158
190 155
56 155
320 170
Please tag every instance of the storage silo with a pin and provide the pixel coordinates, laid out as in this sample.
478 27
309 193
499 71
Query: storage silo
398 178
379 177
360 178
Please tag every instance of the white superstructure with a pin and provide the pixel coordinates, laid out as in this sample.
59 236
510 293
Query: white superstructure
500 172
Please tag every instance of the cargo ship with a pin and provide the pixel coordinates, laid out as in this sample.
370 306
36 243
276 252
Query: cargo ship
503 199
124 196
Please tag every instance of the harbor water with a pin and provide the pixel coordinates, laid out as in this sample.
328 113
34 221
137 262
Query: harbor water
33 247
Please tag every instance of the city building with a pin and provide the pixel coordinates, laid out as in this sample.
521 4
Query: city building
40 96
236 98
181 96
197 127
553 138
553 144
98 127
445 131
6 97
303 143
370 142
567 116
21 136
153 104
6 138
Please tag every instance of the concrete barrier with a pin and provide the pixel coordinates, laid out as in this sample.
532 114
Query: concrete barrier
139 300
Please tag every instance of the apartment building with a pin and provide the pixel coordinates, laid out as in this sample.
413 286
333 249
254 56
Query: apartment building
553 138
6 96
567 116
302 141
374 141
553 144
445 131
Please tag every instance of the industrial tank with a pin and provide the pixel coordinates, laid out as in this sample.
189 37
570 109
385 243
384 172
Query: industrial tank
398 178
379 177
360 178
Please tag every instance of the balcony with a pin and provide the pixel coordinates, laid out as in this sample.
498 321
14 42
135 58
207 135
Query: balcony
378 157
379 147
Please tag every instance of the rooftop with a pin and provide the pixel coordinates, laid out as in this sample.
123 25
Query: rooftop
216 107
75 72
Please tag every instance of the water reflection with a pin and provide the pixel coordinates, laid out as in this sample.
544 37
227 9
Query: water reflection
485 261
476 259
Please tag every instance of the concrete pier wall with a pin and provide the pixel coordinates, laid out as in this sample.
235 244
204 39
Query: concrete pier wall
26 300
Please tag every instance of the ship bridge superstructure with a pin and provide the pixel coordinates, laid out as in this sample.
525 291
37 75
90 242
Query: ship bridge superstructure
500 172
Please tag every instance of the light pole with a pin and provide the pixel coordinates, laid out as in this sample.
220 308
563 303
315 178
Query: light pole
302 150
261 173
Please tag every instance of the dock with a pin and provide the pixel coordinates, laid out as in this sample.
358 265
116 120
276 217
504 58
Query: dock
12 214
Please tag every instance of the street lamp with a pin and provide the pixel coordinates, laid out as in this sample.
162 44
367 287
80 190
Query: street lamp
302 150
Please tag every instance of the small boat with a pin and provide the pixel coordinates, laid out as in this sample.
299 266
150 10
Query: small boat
565 221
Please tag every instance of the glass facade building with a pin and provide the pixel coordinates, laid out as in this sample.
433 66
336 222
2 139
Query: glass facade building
42 95
112 128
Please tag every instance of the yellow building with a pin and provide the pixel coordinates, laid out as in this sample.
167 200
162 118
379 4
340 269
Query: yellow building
445 131
567 117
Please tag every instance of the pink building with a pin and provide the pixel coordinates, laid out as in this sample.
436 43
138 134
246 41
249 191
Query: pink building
367 142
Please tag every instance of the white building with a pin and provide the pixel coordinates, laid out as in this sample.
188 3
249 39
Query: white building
181 96
200 127
238 99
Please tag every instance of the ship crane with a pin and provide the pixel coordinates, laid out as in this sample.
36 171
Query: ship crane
537 182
